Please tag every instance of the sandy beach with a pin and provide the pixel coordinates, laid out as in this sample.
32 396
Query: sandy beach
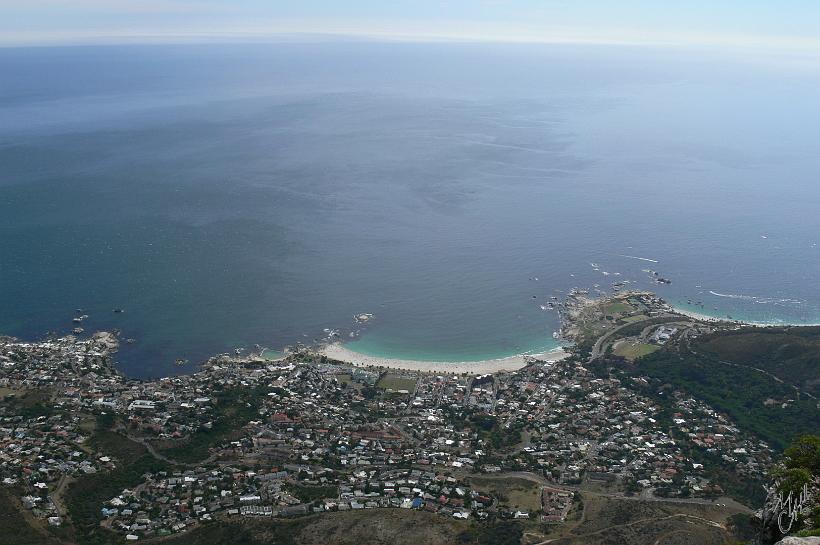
337 351
701 317
707 318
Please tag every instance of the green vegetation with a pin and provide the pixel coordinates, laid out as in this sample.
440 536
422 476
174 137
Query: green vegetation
634 351
235 533
742 526
110 443
739 392
636 318
743 488
804 453
370 392
491 430
395 382
792 479
502 533
517 493
28 403
801 465
85 497
377 527
233 409
636 327
308 494
756 401
14 528
617 307
790 353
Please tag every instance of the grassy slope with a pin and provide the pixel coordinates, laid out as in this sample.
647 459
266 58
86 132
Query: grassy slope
233 409
630 351
738 391
518 493
85 497
610 521
14 526
376 527
792 354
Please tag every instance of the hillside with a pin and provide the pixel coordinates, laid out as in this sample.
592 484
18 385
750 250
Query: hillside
792 354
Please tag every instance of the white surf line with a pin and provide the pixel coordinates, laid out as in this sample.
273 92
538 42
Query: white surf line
763 300
641 258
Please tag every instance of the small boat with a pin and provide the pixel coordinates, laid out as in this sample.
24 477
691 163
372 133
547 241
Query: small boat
78 330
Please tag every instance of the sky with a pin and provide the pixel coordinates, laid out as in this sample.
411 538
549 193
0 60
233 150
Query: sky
789 24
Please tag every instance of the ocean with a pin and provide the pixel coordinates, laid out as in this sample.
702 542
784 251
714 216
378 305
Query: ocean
225 196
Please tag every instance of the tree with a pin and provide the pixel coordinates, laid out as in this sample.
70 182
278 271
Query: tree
805 453
792 479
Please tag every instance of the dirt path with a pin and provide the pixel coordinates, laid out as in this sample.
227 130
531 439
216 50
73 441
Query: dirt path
635 523
159 456
57 495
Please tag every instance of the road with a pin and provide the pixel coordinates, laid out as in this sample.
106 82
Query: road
598 349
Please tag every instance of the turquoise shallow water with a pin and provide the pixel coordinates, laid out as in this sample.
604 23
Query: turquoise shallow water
374 345
225 196
767 319
269 354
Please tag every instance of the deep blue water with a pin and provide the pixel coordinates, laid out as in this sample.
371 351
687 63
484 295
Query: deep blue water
232 195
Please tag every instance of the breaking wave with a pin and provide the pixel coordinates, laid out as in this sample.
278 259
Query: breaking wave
760 300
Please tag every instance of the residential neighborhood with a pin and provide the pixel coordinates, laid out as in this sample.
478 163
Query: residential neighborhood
248 437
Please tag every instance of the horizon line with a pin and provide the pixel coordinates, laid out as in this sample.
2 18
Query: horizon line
245 37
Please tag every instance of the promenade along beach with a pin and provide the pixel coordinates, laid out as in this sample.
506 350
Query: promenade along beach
337 351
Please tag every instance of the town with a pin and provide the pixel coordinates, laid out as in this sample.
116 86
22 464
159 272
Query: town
250 437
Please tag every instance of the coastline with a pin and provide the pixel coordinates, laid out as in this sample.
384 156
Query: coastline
337 351
715 319
703 317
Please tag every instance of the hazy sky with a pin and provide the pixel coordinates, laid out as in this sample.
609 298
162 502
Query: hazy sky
793 24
